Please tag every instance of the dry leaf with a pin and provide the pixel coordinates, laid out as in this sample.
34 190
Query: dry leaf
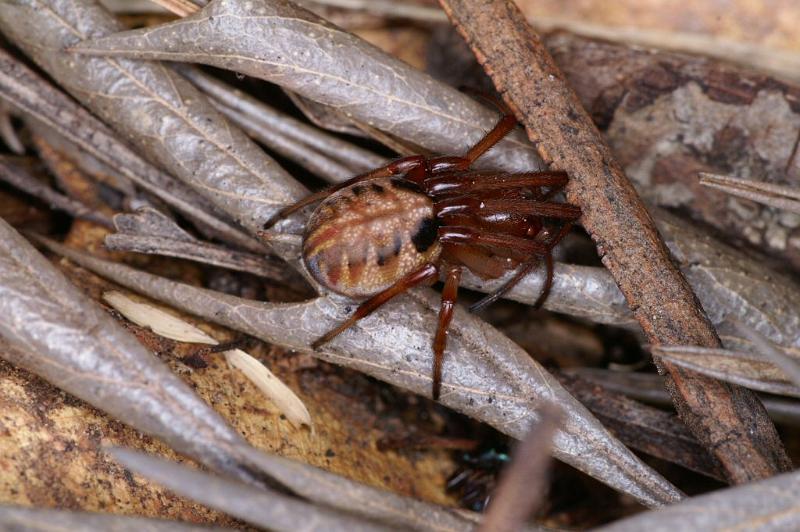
283 46
486 376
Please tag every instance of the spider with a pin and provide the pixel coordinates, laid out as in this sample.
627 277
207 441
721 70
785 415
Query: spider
383 232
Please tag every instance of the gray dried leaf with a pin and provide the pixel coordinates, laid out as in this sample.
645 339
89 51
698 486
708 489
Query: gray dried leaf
296 49
645 428
149 231
778 196
357 159
19 172
486 375
649 387
732 366
15 518
162 114
7 132
264 508
338 492
769 505
36 98
733 286
67 339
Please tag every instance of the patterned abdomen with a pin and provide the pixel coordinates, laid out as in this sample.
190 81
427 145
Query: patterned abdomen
364 238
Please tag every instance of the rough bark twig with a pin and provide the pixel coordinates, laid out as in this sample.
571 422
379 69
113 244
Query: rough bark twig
728 420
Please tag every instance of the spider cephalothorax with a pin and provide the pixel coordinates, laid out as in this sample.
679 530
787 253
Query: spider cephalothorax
403 224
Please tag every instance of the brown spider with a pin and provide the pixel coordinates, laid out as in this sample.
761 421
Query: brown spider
383 232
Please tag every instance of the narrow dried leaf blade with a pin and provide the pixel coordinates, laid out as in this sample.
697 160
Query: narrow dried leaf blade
767 505
283 46
162 114
486 375
263 508
731 366
67 339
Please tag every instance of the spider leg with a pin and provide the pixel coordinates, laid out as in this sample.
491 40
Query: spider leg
504 126
425 273
396 167
458 235
524 270
481 181
449 294
473 204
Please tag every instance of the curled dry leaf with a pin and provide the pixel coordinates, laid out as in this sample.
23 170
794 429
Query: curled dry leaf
649 387
768 505
732 366
19 172
301 52
645 428
39 100
486 376
778 196
161 113
733 286
278 123
64 337
169 326
264 508
33 519
150 231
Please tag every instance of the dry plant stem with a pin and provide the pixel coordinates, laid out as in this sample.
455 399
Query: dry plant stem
19 172
524 481
203 252
778 196
313 161
7 133
649 388
264 508
19 518
728 420
358 159
179 7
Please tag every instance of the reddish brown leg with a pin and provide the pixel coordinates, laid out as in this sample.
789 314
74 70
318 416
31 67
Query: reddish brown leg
474 204
397 167
449 294
425 273
524 270
469 182
470 236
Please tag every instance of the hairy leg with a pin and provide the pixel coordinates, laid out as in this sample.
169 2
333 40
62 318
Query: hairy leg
449 294
425 273
524 270
488 207
480 181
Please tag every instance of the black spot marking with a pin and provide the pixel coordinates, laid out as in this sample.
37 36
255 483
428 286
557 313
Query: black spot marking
425 235
398 245
398 182
381 259
358 190
377 188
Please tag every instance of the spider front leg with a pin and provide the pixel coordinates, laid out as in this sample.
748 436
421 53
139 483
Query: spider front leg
415 164
425 273
449 295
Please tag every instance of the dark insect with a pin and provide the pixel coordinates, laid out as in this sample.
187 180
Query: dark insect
383 232
476 478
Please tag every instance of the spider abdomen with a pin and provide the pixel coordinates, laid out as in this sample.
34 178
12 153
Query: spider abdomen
364 238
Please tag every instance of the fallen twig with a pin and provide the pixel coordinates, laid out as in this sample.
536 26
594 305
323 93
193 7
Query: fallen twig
728 420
